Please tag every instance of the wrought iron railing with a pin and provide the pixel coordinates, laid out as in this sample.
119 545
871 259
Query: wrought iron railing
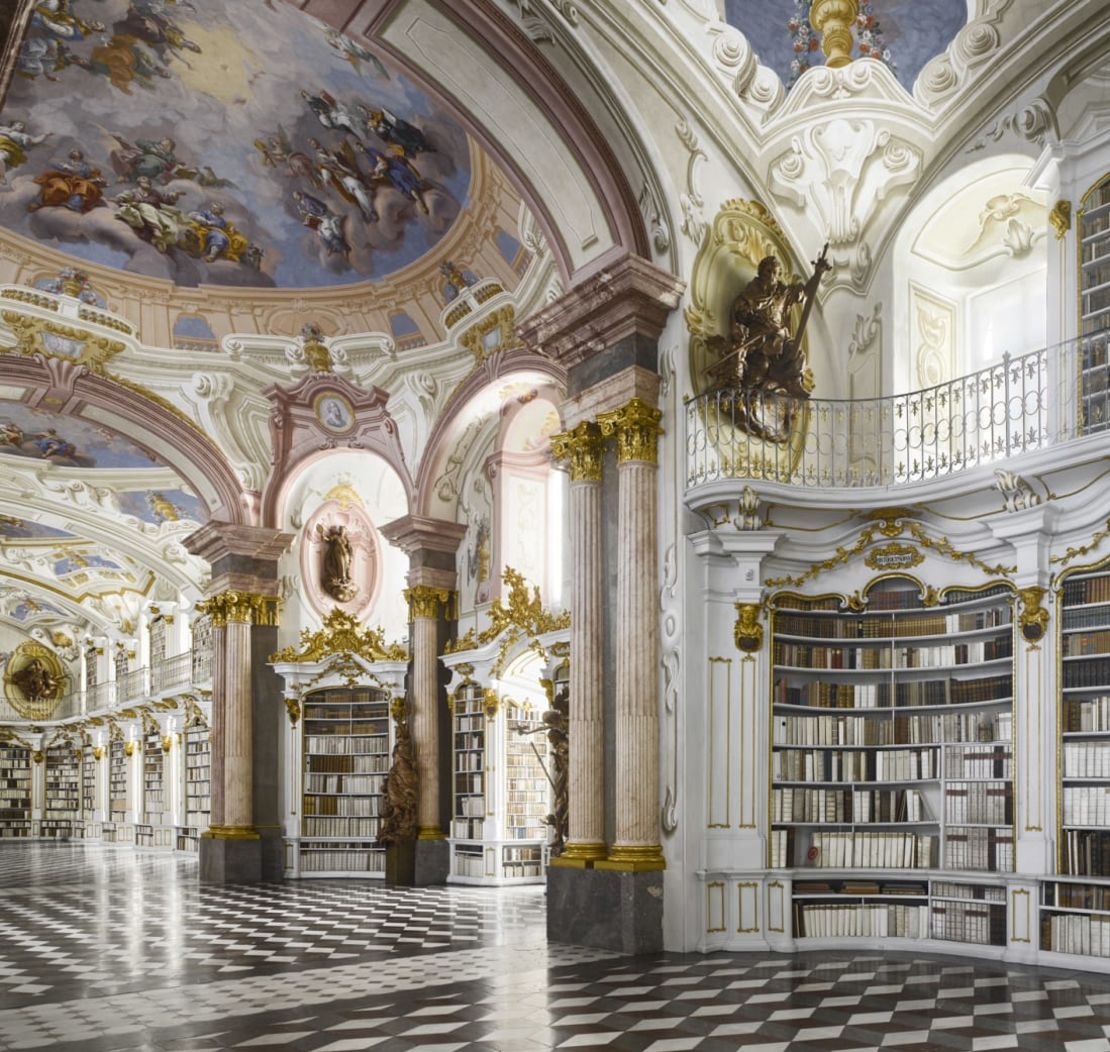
135 685
1041 399
172 673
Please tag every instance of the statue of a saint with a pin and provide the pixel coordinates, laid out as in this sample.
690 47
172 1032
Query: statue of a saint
556 720
37 682
338 561
398 822
760 355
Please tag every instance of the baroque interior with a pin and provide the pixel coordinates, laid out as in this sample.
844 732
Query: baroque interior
653 450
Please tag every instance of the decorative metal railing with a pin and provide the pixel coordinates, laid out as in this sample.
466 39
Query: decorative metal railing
172 673
1041 399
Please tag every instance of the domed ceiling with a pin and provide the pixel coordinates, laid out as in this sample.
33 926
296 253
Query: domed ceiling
229 143
902 34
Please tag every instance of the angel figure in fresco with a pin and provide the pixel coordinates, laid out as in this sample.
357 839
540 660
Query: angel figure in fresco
214 236
395 131
124 61
331 113
73 183
11 434
277 151
56 18
163 509
150 212
327 225
51 445
15 141
396 170
355 53
339 169
147 20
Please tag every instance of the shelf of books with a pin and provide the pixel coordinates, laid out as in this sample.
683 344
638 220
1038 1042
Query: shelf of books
116 829
88 792
1093 229
500 792
153 831
346 759
1075 912
198 787
892 761
62 809
15 790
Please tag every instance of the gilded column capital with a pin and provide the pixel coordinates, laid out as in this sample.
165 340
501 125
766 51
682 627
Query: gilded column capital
248 608
834 19
636 426
425 601
582 447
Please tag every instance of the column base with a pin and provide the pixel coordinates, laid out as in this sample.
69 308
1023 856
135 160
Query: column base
606 909
230 861
580 856
431 863
634 859
273 854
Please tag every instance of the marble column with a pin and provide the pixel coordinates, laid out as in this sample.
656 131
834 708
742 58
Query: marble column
425 604
243 841
636 844
586 782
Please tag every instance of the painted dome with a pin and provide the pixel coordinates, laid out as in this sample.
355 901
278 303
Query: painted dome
221 143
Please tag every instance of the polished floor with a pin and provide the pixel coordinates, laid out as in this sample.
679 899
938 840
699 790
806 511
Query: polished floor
105 948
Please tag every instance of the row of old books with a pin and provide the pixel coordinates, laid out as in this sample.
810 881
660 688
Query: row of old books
338 745
826 695
1086 805
329 827
805 655
1086 852
1087 590
1081 897
355 858
343 806
1094 673
856 850
342 783
1079 644
871 627
989 803
1076 933
1087 759
968 922
893 920
968 848
839 805
1087 715
918 729
979 761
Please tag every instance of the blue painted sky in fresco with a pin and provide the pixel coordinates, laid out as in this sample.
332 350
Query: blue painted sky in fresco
914 31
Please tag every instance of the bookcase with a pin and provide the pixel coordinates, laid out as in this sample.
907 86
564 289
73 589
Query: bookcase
118 796
500 789
62 808
1075 907
89 765
152 831
1093 229
198 787
345 760
15 790
891 757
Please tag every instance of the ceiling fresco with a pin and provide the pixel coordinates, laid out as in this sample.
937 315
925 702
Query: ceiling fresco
13 528
230 143
156 507
902 34
67 441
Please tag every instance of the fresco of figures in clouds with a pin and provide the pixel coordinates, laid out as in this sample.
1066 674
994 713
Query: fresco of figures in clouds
66 440
229 142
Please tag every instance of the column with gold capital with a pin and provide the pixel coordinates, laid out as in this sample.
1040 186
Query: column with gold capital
425 604
582 448
636 844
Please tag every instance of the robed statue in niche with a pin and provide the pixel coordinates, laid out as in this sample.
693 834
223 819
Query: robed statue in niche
761 355
336 572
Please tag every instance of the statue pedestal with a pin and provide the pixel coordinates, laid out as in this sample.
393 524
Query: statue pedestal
400 864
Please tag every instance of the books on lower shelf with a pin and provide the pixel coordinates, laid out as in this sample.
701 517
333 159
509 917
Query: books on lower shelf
154 787
346 759
198 776
855 850
1075 918
118 795
468 765
15 790
88 783
63 792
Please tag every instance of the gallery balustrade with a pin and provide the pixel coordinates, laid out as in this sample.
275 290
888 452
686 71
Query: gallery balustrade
1039 400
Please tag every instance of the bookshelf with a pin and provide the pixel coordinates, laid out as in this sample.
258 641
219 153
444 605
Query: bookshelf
15 790
62 808
118 795
1093 229
88 792
468 751
1075 907
151 831
345 761
891 761
198 787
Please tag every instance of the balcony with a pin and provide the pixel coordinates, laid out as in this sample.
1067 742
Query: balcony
1045 407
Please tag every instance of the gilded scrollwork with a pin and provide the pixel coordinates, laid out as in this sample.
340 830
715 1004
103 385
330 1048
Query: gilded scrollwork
636 426
582 446
234 607
341 635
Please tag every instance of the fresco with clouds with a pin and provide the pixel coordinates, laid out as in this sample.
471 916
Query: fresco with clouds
13 528
65 440
903 34
158 506
229 142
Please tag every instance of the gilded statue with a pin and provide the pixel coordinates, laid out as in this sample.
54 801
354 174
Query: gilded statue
335 577
398 823
37 682
761 355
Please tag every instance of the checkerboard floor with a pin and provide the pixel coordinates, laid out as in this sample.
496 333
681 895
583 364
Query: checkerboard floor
106 949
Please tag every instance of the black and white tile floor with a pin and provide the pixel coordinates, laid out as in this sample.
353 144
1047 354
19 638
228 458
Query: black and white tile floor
105 948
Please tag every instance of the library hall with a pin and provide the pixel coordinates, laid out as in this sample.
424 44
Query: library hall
555 524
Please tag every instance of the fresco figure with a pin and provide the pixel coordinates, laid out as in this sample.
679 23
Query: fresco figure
74 184
124 61
394 169
340 170
216 236
155 160
331 113
147 21
15 141
277 150
327 224
354 53
56 18
151 214
396 132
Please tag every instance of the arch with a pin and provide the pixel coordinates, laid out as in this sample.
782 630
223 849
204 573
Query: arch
443 434
530 120
67 388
